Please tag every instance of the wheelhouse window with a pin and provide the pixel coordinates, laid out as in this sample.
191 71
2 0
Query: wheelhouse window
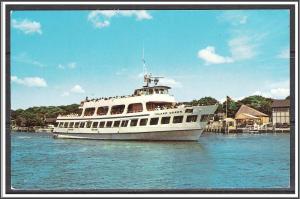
95 124
177 119
135 108
102 124
103 110
89 111
165 120
116 123
189 110
56 124
118 109
124 123
82 124
66 124
205 118
191 118
151 106
61 124
154 121
133 122
88 124
143 122
71 124
76 125
108 124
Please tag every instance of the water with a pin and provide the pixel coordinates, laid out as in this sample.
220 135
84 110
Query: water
215 161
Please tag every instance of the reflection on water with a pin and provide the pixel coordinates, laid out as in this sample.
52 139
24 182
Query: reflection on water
215 161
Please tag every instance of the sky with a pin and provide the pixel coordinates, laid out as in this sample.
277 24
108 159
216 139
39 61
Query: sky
60 57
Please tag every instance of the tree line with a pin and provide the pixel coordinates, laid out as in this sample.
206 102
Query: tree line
36 116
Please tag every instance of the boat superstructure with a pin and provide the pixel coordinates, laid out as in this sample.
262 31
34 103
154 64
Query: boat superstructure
150 113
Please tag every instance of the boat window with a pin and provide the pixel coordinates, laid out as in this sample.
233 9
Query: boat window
89 111
134 108
154 121
133 122
71 124
165 120
191 118
118 109
102 110
88 124
188 110
143 122
76 124
66 124
156 91
116 123
61 124
95 124
177 119
56 124
150 91
101 125
82 124
124 123
79 111
151 106
108 124
205 118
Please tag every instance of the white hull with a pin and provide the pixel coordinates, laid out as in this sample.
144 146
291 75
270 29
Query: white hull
180 135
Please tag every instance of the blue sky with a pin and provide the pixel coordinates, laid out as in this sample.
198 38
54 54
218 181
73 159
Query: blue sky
59 57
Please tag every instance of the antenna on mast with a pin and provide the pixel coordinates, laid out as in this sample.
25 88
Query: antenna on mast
144 63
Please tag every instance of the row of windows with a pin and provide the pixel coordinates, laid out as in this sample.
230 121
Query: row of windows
124 123
281 114
281 119
132 108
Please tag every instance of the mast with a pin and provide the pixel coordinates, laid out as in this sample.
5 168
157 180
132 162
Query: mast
144 63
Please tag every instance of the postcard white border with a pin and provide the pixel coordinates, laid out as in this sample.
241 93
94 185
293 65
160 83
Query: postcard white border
3 102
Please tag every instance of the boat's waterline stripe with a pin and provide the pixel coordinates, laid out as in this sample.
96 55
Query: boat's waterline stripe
61 133
105 117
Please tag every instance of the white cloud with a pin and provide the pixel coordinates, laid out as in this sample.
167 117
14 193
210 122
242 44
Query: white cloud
170 82
242 48
277 90
280 92
234 17
70 65
65 94
209 55
264 94
77 89
29 81
27 26
284 54
101 18
24 58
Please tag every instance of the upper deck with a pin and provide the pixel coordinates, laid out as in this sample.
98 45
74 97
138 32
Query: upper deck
147 98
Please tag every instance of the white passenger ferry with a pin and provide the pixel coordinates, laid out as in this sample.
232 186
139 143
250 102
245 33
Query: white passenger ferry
150 113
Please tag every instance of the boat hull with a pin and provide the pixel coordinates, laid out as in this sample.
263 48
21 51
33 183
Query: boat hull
180 135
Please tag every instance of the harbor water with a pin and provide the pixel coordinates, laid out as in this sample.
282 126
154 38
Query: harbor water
216 161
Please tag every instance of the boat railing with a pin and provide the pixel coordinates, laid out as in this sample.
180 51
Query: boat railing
69 115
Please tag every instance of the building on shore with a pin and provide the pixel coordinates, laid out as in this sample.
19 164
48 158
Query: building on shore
249 117
281 113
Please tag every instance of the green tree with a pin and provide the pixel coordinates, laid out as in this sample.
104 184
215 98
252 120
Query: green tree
259 103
